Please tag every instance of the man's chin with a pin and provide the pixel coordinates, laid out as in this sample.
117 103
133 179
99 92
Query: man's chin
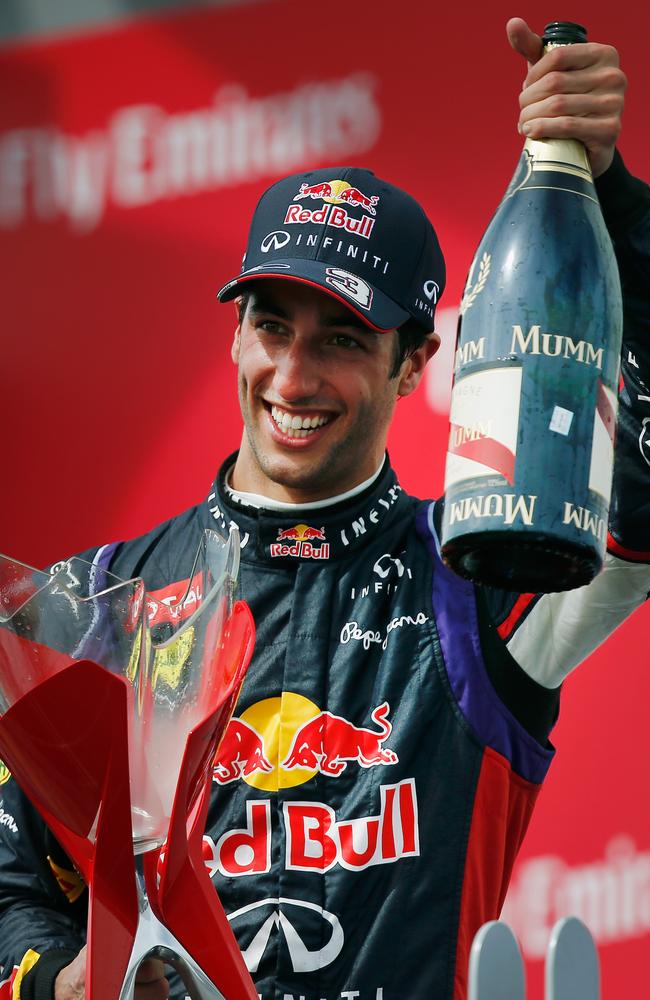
316 478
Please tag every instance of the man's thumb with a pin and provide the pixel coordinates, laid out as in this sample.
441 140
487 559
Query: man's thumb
523 40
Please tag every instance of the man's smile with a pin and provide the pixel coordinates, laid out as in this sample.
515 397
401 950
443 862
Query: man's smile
296 425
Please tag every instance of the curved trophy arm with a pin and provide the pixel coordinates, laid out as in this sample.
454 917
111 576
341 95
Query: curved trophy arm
154 940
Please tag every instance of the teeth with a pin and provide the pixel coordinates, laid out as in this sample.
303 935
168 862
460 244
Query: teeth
296 425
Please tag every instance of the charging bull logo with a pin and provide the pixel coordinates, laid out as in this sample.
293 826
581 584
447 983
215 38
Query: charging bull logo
328 742
283 742
298 542
241 753
339 192
337 196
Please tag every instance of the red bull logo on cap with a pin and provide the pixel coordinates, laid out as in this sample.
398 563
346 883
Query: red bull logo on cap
336 194
298 542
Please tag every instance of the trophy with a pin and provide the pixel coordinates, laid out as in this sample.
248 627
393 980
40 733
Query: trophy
112 705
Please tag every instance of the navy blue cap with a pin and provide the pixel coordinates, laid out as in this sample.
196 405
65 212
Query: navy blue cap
353 235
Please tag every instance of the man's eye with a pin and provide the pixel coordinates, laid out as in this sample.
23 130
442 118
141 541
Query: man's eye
345 340
270 325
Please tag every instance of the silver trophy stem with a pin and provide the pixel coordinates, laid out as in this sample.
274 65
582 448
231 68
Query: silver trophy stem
154 940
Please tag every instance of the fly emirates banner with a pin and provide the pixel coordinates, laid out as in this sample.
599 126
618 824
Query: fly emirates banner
131 159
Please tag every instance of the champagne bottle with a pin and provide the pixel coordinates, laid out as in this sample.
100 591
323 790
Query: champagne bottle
534 400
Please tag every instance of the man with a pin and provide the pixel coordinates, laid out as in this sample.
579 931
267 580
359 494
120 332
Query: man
404 715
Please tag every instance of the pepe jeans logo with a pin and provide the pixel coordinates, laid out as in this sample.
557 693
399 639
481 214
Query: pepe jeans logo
353 632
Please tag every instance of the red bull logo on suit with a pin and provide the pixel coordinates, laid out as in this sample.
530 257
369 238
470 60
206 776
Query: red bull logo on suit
283 742
317 839
298 542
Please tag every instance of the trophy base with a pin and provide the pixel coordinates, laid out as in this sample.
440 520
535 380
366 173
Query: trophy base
154 940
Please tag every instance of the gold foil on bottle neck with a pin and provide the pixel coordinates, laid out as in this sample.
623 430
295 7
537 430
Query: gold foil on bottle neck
567 156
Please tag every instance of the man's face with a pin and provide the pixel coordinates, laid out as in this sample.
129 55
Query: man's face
315 393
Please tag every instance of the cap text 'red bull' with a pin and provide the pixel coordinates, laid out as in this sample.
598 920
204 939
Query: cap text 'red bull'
336 194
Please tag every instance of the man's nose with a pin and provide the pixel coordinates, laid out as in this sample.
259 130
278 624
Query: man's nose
298 374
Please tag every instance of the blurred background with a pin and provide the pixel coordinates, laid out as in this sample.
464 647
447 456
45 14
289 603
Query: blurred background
135 140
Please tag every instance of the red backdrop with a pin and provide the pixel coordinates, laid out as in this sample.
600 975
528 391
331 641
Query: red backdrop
130 162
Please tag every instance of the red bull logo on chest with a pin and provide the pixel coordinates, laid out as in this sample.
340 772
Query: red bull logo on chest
298 543
283 742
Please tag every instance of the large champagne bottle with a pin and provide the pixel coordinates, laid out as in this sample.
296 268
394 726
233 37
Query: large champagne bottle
534 401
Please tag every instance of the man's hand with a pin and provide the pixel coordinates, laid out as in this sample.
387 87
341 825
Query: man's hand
571 92
150 980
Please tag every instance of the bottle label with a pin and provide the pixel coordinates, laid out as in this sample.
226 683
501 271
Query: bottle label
484 419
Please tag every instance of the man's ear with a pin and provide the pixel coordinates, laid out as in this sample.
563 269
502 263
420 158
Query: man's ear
413 366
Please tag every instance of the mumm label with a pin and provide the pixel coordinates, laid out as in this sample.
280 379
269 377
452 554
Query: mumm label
555 345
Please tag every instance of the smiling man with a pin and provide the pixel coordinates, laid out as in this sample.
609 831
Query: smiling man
392 734
317 391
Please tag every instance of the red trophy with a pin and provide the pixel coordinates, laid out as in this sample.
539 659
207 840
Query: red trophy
112 706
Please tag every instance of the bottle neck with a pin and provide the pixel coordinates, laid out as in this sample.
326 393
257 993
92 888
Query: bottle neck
564 155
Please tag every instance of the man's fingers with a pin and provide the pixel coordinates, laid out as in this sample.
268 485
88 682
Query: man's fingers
523 40
150 982
608 84
589 131
159 990
150 970
595 108
569 58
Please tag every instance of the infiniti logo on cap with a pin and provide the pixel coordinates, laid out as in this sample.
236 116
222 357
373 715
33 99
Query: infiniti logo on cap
275 240
431 289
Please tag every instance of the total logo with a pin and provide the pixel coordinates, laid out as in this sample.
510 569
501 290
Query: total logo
297 542
5 773
336 194
282 742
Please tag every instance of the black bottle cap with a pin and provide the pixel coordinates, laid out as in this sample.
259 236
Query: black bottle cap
564 33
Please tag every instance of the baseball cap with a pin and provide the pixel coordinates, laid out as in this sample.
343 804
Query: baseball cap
351 234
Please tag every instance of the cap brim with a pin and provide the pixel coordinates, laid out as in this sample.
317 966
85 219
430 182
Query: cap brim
376 310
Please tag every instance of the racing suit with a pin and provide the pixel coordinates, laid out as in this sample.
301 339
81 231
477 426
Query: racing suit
391 736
